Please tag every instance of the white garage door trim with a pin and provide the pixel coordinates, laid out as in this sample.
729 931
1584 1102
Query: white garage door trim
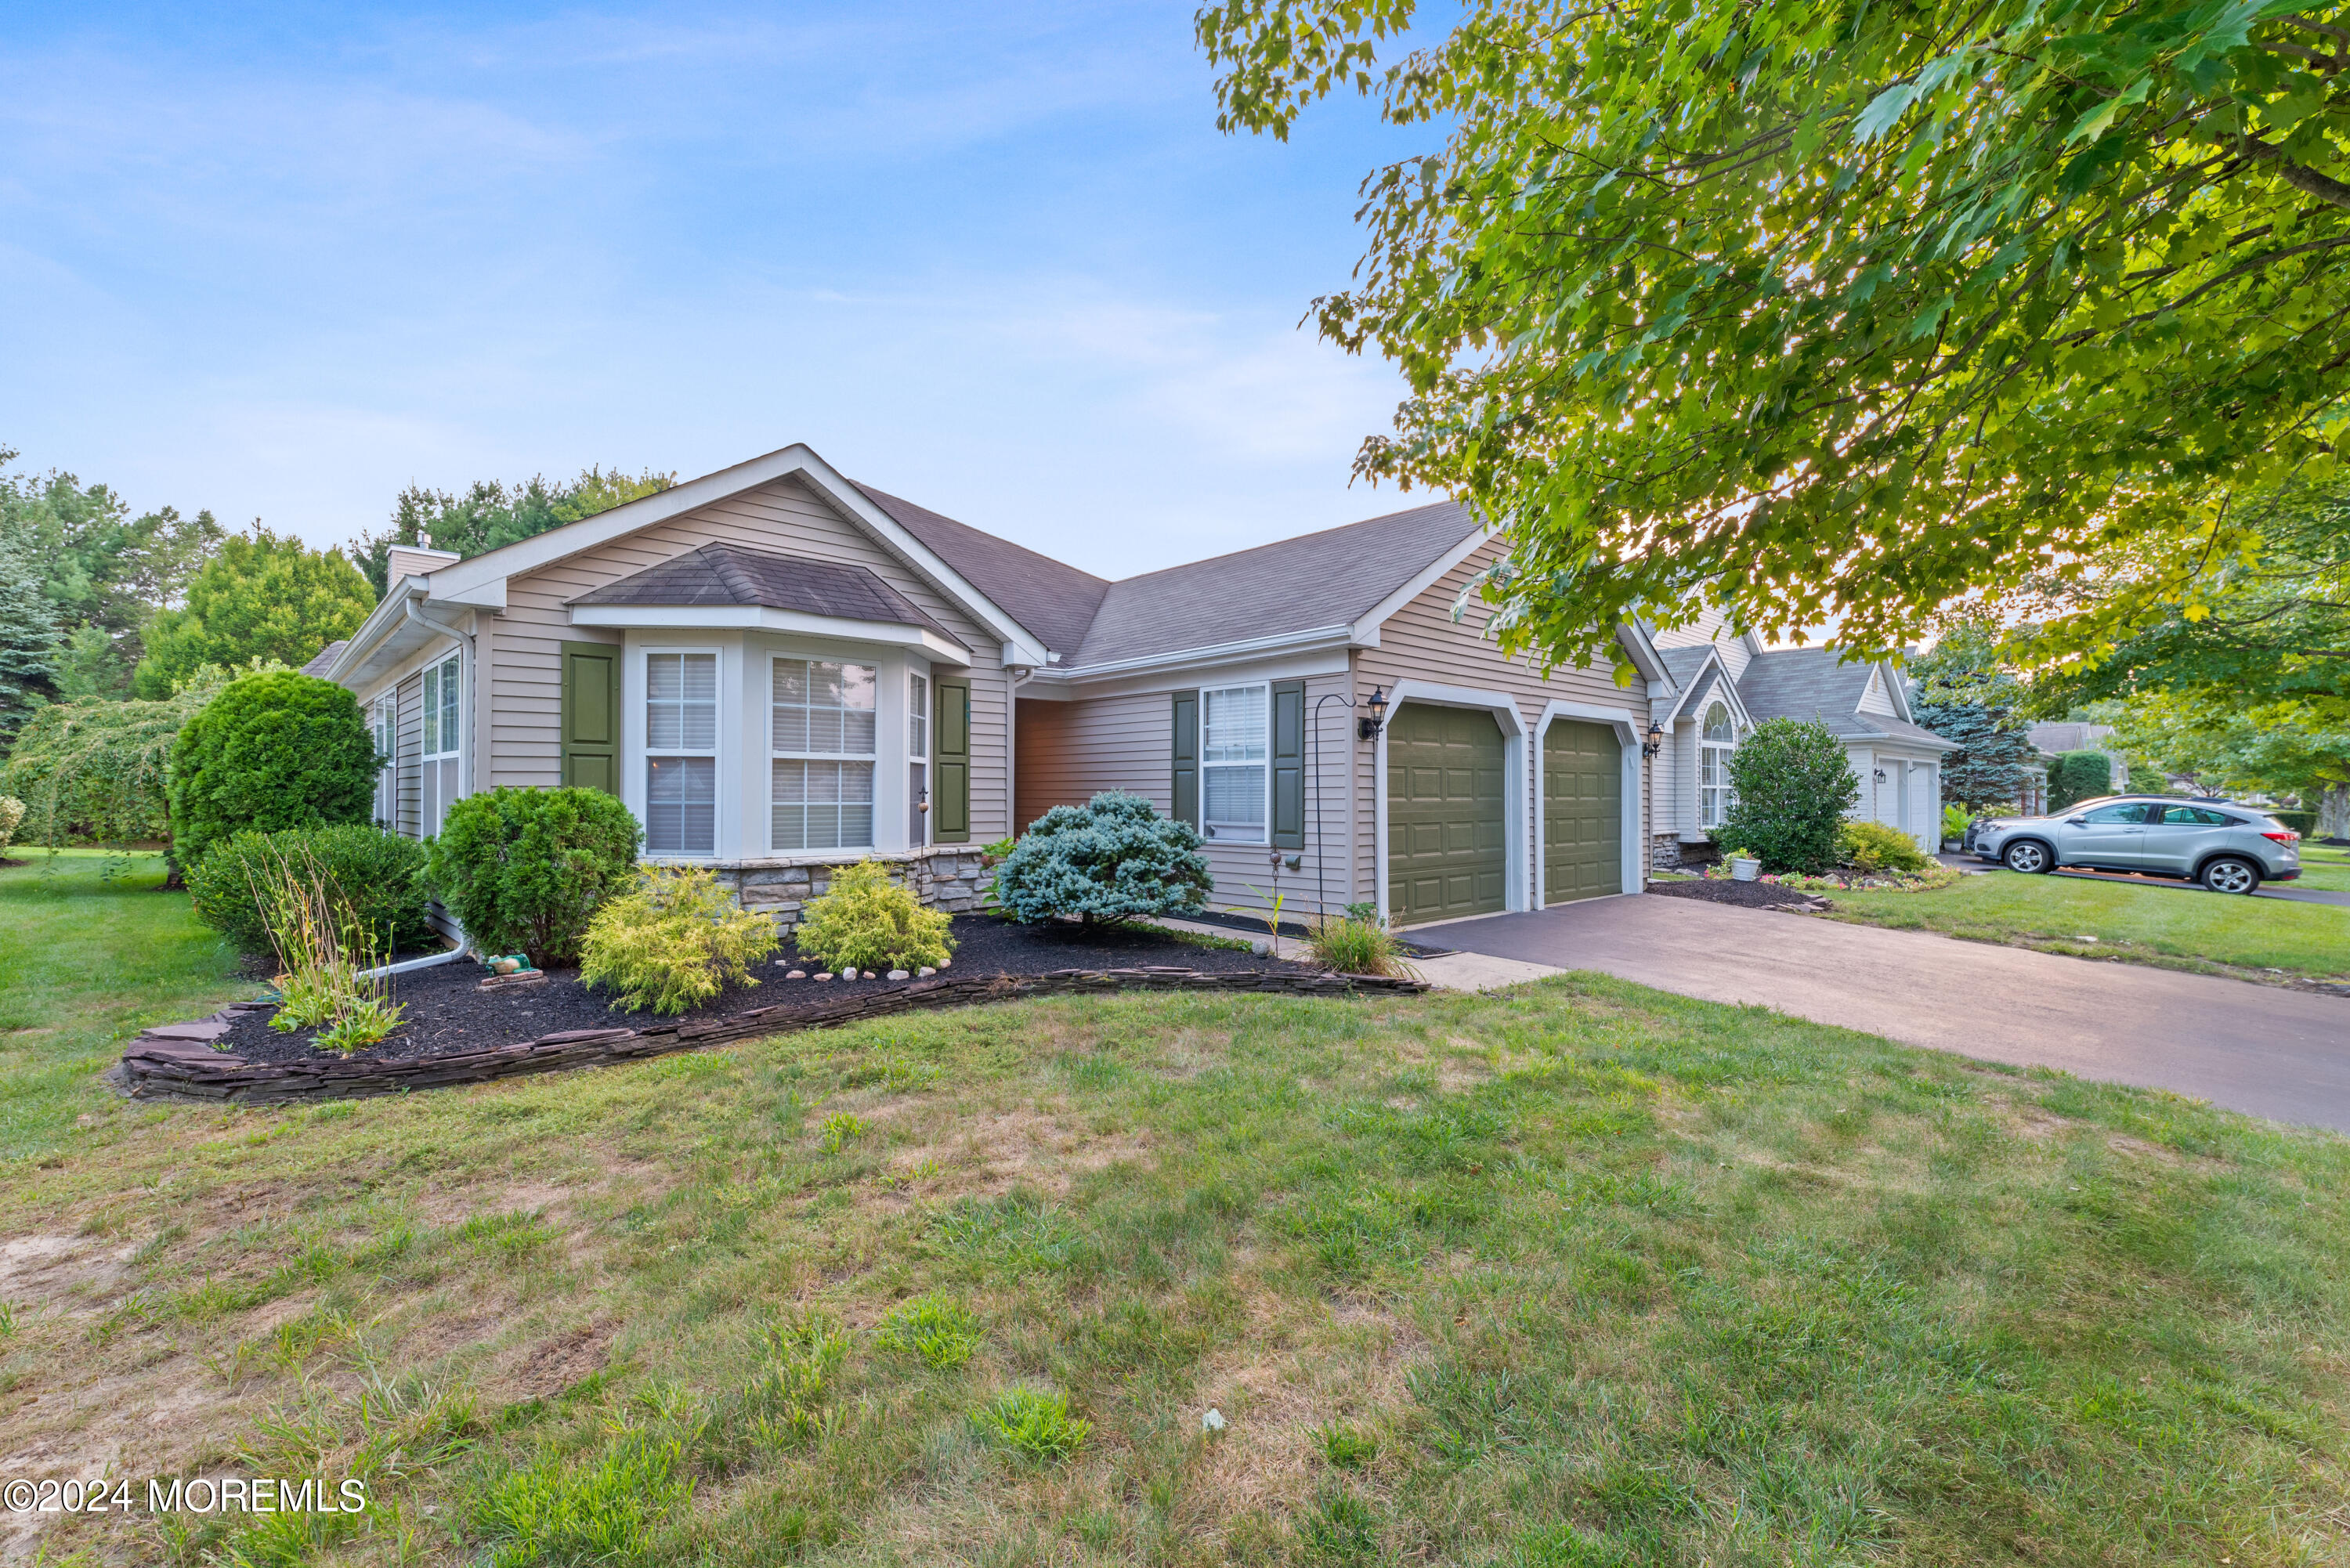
1516 877
1629 737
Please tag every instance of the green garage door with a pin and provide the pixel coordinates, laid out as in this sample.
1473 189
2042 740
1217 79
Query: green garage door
1447 851
1583 811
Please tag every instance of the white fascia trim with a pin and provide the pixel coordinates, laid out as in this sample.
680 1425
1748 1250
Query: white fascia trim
1194 657
761 618
1896 687
1629 737
529 555
1645 656
1364 632
381 621
1313 664
1514 812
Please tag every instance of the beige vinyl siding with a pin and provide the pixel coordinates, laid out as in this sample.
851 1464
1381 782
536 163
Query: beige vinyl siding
1422 642
1070 751
785 517
408 730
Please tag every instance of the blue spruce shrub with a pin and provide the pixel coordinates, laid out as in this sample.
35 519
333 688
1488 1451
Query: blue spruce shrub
1112 858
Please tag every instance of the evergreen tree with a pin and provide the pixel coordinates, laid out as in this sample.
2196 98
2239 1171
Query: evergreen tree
28 638
1964 694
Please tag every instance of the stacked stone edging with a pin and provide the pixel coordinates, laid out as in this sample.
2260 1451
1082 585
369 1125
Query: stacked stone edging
177 1061
953 879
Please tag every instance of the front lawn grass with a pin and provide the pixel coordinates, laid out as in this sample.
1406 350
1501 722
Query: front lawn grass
2324 867
2173 927
1576 1273
90 952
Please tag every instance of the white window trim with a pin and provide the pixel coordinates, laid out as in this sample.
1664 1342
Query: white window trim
639 724
383 727
1264 836
1722 768
441 662
876 757
918 802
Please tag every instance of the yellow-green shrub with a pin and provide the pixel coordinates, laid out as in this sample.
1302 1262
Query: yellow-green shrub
674 943
868 921
1875 847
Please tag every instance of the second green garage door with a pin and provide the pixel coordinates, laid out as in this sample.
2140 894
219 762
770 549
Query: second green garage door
1448 850
1583 811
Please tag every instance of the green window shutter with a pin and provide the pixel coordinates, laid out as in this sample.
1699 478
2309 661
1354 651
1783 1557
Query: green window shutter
951 755
1289 765
591 715
1186 792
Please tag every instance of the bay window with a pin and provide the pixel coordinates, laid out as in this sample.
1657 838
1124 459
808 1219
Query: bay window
680 753
824 731
1235 780
918 760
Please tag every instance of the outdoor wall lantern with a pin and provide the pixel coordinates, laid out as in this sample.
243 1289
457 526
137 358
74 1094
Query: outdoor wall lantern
1881 775
1369 726
1654 743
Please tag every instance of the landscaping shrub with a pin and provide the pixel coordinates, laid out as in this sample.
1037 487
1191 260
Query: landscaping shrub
97 770
1873 846
1956 820
376 878
324 958
1356 946
1794 785
272 751
12 811
1112 858
523 869
868 921
2077 776
2145 778
675 941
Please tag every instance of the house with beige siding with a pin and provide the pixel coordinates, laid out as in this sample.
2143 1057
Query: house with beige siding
781 671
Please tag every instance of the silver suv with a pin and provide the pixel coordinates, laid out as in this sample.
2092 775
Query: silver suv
2227 848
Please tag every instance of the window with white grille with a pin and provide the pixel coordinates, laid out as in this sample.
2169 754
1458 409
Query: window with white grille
442 759
825 730
1235 783
680 753
1718 738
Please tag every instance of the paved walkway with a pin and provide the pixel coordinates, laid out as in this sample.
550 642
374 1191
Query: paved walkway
2262 1049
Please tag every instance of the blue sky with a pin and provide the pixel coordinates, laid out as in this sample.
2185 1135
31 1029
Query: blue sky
996 259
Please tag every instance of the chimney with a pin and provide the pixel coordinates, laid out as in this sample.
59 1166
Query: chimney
411 561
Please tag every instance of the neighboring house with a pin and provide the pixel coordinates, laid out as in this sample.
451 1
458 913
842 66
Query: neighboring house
780 670
1726 682
2054 739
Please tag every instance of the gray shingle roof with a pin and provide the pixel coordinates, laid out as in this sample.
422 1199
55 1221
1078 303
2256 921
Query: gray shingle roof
1052 599
1810 683
1681 664
323 660
1329 578
731 574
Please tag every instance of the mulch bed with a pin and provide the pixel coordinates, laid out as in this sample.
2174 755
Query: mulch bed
447 1011
1745 895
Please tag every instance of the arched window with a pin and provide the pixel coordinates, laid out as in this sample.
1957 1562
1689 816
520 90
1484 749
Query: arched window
1717 739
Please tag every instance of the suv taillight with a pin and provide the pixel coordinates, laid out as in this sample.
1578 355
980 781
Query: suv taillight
2287 836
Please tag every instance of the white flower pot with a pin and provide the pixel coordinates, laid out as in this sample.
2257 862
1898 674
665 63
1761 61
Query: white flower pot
1742 870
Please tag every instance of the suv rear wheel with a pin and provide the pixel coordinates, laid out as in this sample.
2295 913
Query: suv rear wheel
2230 874
2028 856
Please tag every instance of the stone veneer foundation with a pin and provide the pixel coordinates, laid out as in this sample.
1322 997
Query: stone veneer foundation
1667 853
945 876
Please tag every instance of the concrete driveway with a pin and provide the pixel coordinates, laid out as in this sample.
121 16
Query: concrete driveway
2274 1053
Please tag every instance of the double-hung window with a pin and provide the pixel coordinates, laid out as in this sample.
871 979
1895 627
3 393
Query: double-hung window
680 753
384 726
442 772
918 760
1718 740
824 733
1235 780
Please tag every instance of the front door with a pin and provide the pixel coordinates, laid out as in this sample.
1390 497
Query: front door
1448 850
2112 836
1583 811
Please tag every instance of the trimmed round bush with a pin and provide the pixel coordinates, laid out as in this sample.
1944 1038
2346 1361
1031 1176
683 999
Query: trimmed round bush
1875 847
1794 785
379 876
271 752
523 869
1112 858
674 943
2077 776
868 921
